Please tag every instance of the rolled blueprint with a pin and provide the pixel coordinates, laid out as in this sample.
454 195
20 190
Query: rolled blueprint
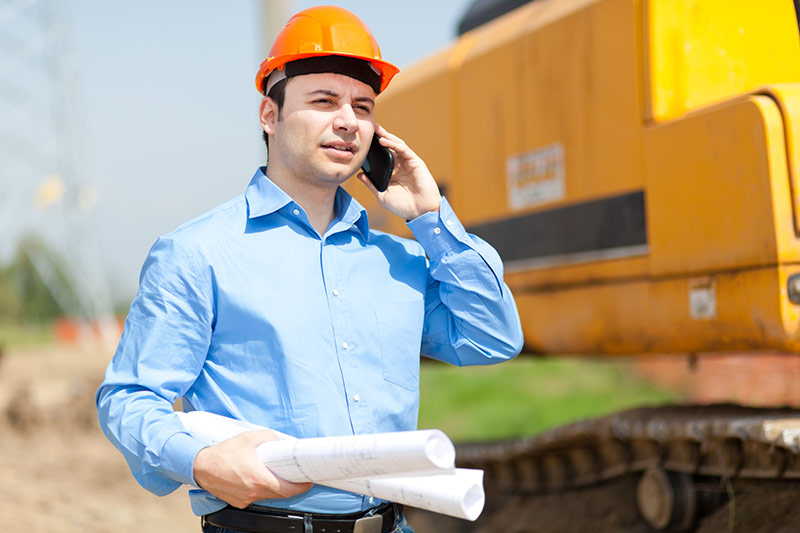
409 467
458 494
213 428
364 456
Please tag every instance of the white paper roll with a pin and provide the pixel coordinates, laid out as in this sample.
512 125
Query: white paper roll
409 467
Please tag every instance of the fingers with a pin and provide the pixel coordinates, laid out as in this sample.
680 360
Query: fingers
366 181
395 143
232 472
383 133
286 489
274 485
265 488
262 435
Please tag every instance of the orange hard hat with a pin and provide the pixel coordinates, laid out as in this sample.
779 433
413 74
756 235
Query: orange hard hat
325 31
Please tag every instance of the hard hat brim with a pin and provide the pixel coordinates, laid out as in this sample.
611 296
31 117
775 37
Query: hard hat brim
387 70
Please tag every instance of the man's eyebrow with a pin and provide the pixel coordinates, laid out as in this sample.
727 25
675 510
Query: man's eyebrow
326 92
364 99
334 94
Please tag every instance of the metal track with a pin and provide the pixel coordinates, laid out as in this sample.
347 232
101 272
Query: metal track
717 441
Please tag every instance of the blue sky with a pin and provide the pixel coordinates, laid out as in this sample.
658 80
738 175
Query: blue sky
168 105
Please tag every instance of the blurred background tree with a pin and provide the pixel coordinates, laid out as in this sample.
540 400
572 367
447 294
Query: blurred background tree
24 295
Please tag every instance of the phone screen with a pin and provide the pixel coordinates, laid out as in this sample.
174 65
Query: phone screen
379 164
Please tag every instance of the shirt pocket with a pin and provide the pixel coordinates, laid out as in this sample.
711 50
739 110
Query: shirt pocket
400 331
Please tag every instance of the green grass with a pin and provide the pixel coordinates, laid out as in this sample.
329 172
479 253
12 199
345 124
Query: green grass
15 335
528 395
522 397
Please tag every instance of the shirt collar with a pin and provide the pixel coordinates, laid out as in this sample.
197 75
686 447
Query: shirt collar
264 197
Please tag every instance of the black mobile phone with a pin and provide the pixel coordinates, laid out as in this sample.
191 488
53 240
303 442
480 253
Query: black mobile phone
379 164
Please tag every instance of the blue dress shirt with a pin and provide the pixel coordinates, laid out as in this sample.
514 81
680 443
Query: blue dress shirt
248 312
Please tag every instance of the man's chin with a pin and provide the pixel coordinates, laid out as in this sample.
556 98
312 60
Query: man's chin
341 173
334 179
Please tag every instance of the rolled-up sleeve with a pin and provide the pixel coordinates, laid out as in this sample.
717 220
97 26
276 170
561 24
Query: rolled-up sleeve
470 314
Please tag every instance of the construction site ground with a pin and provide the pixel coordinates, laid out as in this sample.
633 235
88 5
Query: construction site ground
59 474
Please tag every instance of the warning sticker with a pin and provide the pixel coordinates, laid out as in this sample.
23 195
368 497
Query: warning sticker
702 299
536 177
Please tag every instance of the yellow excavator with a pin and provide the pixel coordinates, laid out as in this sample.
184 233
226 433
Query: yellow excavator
636 163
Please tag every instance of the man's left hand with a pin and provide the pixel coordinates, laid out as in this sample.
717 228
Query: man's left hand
412 190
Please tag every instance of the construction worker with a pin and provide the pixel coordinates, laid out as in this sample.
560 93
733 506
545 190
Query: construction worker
283 308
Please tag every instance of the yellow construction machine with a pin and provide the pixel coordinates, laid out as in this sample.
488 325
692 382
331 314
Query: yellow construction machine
636 163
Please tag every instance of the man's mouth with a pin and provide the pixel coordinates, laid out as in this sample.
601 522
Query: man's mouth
341 147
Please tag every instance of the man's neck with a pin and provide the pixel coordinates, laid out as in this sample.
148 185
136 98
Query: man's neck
316 199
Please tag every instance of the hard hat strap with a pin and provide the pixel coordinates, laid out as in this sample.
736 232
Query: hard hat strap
274 77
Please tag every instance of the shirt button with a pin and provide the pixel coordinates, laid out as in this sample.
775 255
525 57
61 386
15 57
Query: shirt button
296 212
437 231
449 222
335 292
371 499
356 397
345 345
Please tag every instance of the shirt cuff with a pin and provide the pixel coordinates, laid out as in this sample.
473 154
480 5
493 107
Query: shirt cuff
178 456
438 232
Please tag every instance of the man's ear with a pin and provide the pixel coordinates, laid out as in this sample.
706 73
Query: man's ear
268 111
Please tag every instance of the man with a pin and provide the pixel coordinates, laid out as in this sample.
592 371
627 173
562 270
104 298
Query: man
281 307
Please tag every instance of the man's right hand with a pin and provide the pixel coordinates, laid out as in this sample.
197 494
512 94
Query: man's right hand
232 472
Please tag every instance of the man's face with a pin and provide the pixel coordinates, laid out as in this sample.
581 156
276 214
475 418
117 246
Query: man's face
324 129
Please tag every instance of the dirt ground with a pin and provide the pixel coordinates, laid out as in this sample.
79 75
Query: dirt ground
58 473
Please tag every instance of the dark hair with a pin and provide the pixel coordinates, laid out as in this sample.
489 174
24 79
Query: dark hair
278 94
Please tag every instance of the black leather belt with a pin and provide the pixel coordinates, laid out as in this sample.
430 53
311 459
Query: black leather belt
257 519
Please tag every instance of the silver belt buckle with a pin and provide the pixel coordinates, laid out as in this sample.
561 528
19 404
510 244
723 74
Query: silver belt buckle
368 524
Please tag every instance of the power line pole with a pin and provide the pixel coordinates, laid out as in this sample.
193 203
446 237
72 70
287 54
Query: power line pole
43 189
276 15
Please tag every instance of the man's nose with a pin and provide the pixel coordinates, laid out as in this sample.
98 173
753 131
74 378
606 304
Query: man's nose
346 119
